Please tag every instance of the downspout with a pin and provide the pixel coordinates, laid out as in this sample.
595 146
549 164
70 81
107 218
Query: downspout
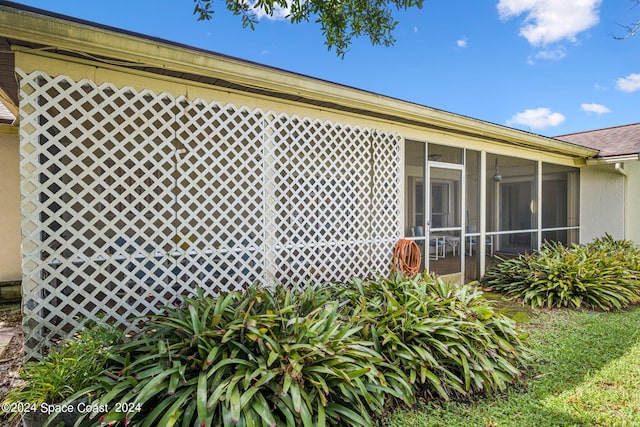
619 167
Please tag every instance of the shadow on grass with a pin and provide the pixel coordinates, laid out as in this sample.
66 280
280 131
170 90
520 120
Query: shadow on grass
570 348
510 308
510 410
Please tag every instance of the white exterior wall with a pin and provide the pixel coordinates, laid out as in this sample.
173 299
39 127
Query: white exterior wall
602 207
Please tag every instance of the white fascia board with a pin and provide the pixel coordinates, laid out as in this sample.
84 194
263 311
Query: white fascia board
614 159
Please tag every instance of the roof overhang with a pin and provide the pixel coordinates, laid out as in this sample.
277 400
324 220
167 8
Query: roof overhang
8 102
32 29
614 159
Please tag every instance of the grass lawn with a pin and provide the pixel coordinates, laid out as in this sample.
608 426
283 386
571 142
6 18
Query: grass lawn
586 372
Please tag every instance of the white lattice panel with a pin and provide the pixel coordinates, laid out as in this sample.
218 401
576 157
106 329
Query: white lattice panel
131 199
220 204
322 182
384 221
95 195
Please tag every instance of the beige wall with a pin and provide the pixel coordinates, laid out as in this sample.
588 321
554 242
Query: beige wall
633 201
10 255
602 203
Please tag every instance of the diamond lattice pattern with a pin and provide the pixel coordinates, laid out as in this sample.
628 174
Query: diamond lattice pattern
132 199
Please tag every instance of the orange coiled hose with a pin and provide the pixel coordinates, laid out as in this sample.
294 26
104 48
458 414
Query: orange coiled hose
406 257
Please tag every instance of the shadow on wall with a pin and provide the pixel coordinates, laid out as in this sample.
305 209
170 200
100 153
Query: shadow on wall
10 292
10 249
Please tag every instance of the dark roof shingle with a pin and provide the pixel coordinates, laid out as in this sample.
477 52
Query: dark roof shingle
613 141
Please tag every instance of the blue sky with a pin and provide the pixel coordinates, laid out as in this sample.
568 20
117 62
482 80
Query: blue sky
546 66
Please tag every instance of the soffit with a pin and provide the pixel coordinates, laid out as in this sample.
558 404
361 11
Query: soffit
8 85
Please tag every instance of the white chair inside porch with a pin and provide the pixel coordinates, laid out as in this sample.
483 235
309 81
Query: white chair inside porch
437 244
472 241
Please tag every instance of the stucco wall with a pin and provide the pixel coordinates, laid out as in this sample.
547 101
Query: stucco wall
633 201
602 203
10 259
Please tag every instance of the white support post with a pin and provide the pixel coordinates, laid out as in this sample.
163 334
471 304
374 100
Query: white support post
481 249
538 207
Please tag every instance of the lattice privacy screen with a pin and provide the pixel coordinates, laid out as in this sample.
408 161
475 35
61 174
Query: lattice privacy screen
132 199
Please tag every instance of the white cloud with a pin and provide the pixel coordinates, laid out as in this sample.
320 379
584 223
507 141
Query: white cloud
415 30
548 55
279 13
553 54
462 43
631 83
550 21
537 118
595 108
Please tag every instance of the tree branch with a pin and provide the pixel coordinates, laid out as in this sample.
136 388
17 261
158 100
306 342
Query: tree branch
632 30
340 20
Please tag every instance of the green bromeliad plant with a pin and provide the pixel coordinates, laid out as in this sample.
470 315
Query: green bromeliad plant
604 274
325 356
446 341
67 368
254 358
